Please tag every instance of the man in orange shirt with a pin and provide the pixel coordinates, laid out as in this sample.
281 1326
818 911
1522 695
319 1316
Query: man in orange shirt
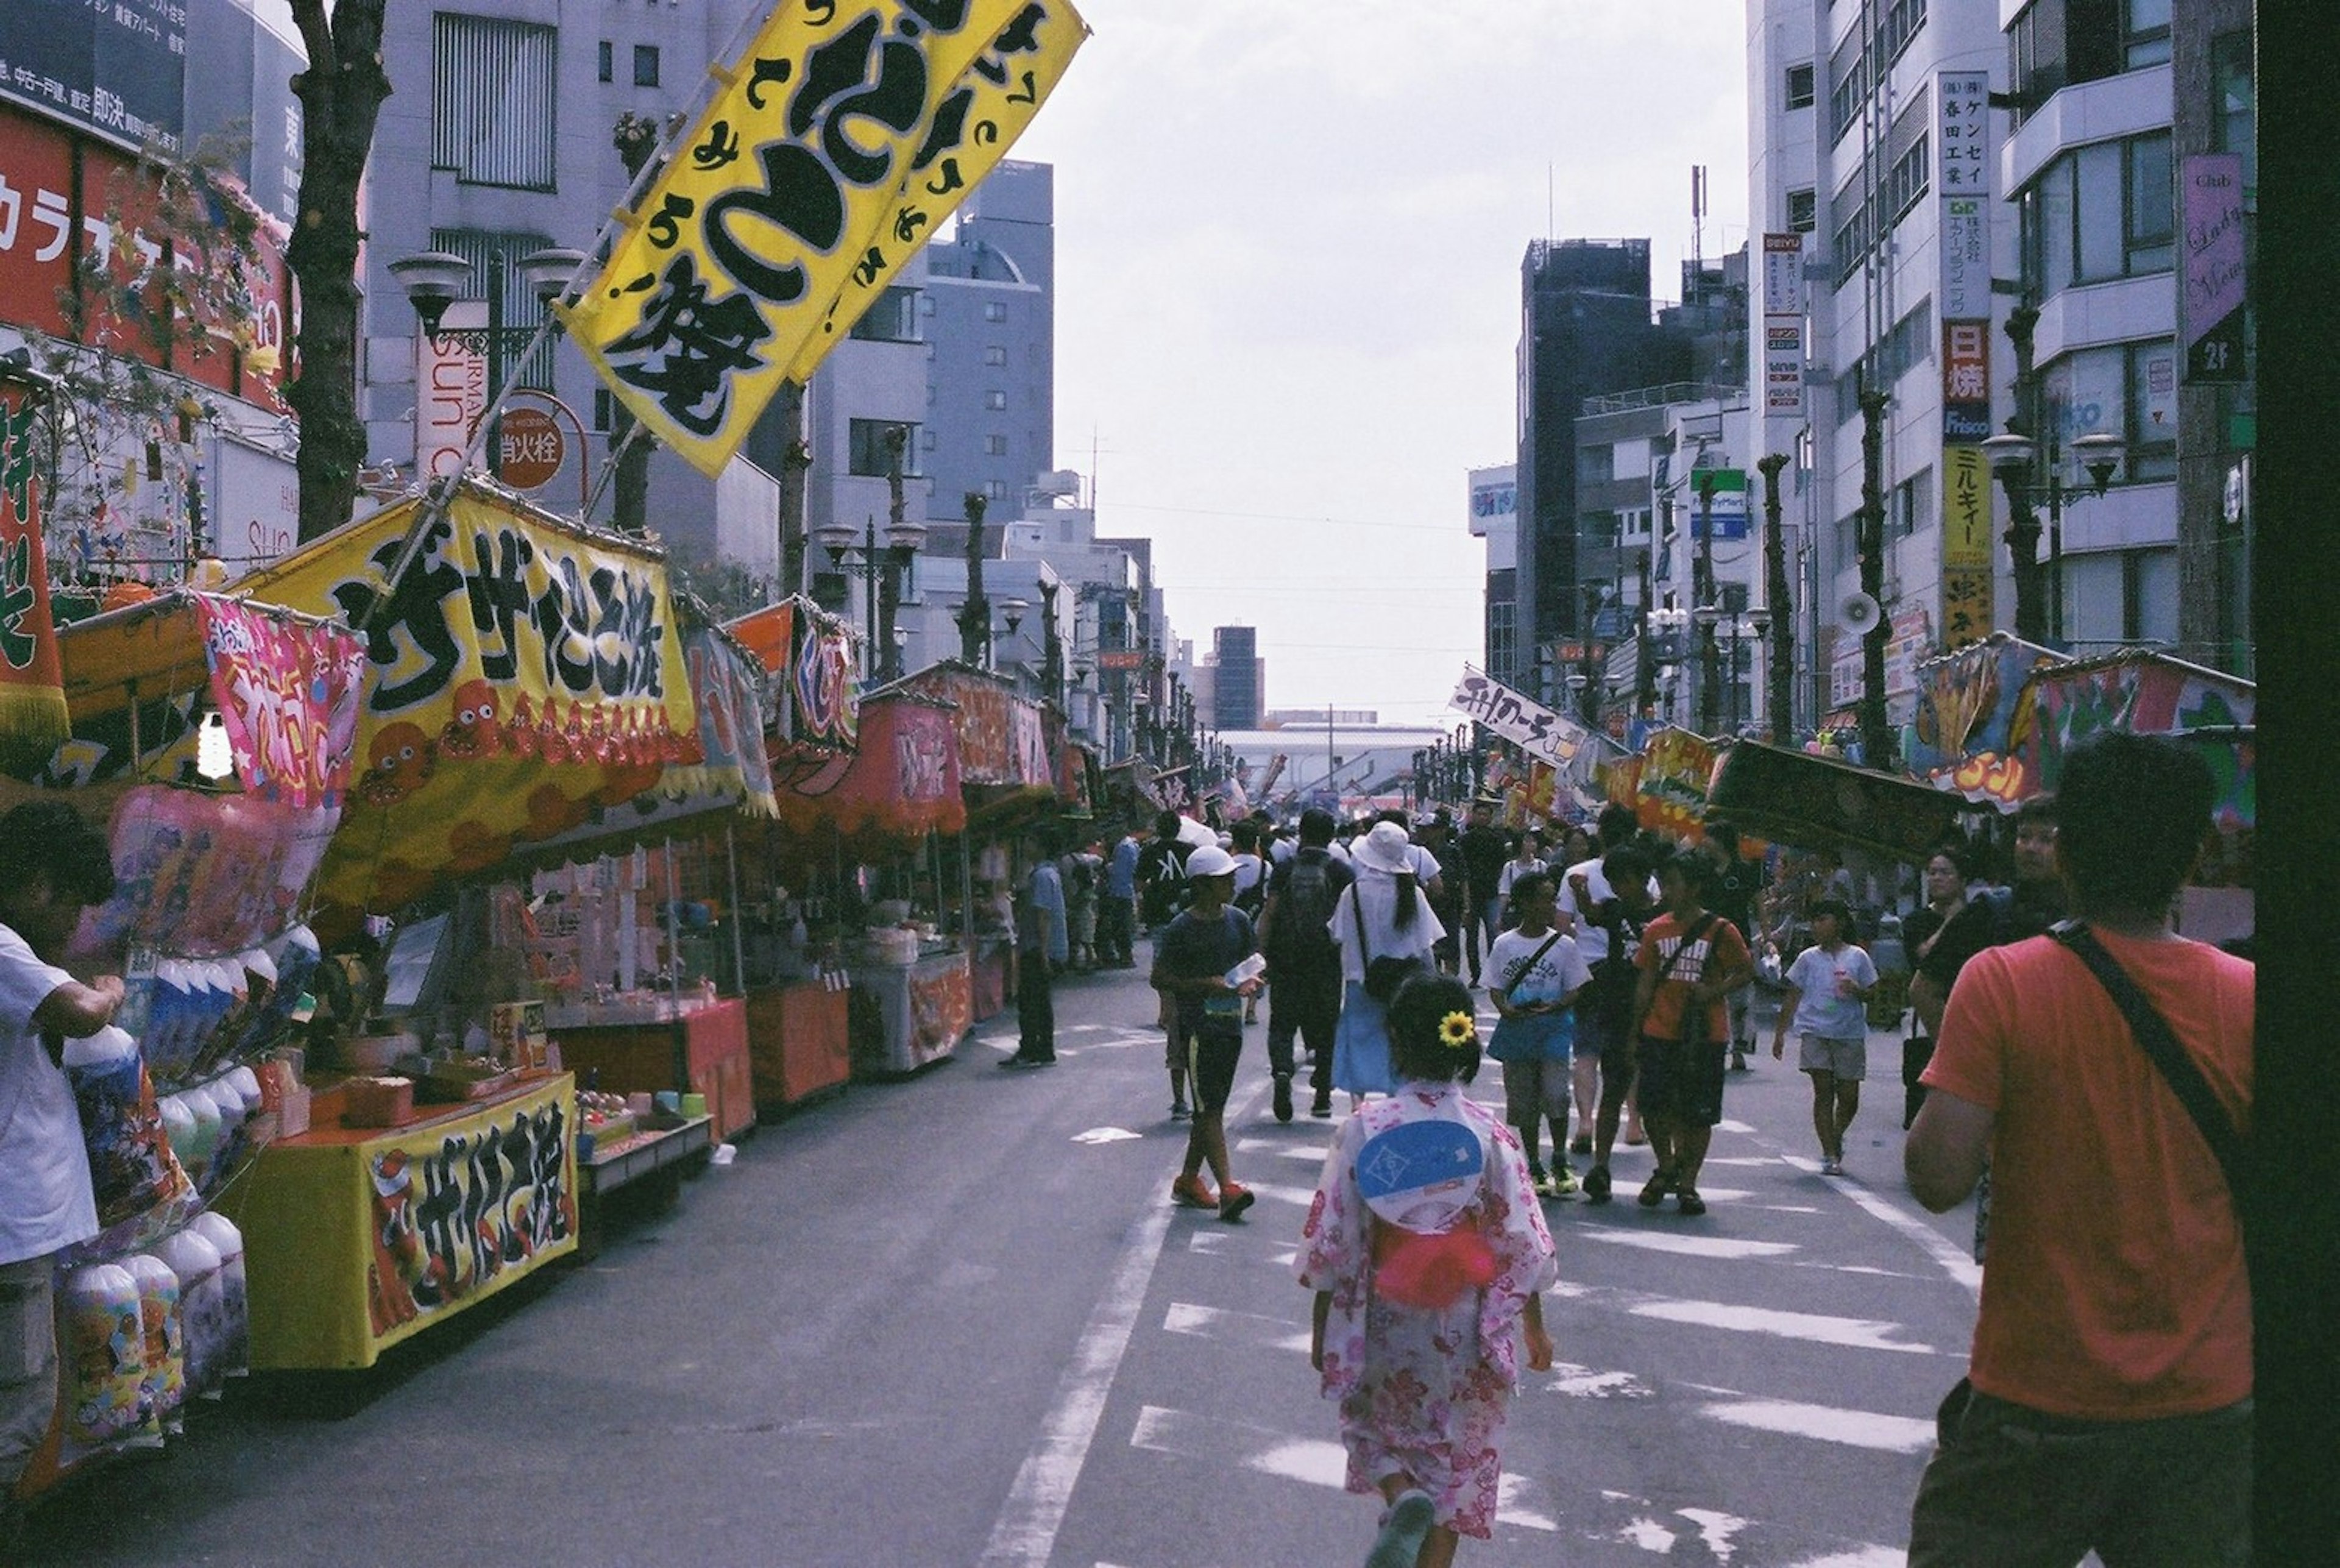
1690 960
2110 1406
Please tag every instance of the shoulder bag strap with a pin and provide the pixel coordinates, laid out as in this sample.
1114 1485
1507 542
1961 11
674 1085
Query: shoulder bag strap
1357 913
1533 959
2160 1044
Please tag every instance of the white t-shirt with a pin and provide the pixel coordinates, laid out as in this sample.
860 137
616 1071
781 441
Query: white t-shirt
1247 872
1590 938
1561 971
1819 1009
46 1198
1374 895
1512 871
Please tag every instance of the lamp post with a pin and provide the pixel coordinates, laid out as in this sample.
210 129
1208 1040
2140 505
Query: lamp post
1667 628
433 280
2011 456
881 572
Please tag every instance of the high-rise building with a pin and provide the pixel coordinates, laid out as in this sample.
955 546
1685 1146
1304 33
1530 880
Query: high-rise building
1495 517
1238 679
1586 327
990 311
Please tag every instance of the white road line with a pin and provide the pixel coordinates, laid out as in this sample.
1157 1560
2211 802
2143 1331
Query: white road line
1248 1328
1853 1332
1024 1533
1956 1261
1858 1557
1715 1247
1715 1530
1854 1428
1577 1382
1316 1463
1220 1241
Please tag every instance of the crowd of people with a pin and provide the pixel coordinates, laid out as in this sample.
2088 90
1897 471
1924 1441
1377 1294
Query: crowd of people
2110 1379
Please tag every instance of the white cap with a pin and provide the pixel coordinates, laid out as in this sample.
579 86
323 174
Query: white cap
1209 860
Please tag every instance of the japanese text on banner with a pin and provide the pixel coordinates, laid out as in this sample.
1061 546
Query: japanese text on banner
841 137
1528 724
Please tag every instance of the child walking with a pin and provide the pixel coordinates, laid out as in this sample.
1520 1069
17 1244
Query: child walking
1425 1245
1536 973
1191 968
1828 991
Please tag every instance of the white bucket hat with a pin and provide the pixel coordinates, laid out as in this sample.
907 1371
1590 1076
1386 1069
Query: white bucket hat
1385 849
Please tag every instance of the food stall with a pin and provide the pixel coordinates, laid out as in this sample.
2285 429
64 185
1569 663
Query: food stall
521 670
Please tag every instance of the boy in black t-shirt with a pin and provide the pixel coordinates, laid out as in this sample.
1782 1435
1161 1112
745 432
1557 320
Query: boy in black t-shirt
1191 965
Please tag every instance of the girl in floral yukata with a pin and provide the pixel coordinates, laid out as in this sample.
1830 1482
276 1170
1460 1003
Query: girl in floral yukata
1424 1246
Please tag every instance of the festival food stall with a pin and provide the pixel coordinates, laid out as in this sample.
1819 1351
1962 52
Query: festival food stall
521 670
212 745
1795 798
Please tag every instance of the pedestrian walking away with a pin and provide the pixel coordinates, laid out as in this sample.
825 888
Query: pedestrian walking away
1425 1246
1385 925
53 864
1536 974
1117 908
1304 963
1690 960
1826 1005
2105 1071
1041 948
1191 970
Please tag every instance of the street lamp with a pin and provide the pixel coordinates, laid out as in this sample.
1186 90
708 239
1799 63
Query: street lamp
433 280
2011 457
880 571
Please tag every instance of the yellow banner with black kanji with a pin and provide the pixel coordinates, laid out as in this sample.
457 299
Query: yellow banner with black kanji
836 144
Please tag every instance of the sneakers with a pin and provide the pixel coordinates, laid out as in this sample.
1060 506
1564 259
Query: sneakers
1190 1192
1564 1181
1284 1096
1405 1527
1581 1145
1654 1190
1738 1061
1596 1185
1233 1200
1322 1106
1831 1167
1690 1202
1178 1112
1539 1179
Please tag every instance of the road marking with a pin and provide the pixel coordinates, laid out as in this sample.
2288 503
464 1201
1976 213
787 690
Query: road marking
1218 1242
1309 1460
1582 1383
1954 1260
1246 1328
1105 1135
1715 1530
1648 1535
1858 1557
1854 1428
1853 1332
1716 1247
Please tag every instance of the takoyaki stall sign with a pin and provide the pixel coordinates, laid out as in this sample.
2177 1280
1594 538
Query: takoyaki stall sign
522 670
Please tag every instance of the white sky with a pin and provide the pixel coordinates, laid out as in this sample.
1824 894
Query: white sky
1288 244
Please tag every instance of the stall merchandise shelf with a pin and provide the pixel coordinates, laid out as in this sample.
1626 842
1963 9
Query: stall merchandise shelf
652 1161
919 1014
640 1058
798 1041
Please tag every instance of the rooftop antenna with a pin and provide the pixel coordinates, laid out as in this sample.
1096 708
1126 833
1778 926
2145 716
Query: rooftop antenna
1697 223
1550 217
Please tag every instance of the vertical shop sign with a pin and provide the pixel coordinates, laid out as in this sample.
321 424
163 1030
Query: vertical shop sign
33 719
1783 327
1968 599
2215 286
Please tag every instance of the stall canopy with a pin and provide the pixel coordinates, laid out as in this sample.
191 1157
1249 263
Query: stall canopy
524 668
727 689
1670 788
1816 802
1972 704
2146 693
902 781
811 703
1006 750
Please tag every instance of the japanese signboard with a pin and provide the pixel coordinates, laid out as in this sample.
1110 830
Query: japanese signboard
451 391
1528 724
838 141
1962 131
2211 185
32 682
1783 368
287 692
1783 275
116 70
1966 258
522 670
1968 605
1966 381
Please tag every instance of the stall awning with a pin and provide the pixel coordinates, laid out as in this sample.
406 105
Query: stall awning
2146 693
902 781
525 668
726 688
1670 788
812 707
1003 739
1816 802
1971 703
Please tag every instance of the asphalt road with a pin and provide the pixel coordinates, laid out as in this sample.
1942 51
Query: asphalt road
955 1322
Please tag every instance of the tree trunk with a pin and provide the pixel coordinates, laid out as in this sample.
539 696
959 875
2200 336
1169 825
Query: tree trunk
630 494
975 616
341 96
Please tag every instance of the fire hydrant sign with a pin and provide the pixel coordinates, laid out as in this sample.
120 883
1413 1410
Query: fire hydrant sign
532 449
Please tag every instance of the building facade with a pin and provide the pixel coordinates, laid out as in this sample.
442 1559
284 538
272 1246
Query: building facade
990 311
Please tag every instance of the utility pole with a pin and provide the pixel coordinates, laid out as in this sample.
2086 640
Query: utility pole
1782 601
1876 739
2022 534
886 657
975 615
636 138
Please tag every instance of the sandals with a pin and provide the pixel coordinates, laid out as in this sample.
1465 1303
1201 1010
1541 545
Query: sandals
1691 1204
1659 1183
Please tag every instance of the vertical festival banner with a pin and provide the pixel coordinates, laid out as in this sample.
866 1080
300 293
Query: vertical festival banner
835 145
33 719
1962 140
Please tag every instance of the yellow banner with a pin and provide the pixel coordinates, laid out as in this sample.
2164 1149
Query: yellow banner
524 671
1967 606
838 140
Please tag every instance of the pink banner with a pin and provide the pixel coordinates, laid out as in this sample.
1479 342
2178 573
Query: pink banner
287 691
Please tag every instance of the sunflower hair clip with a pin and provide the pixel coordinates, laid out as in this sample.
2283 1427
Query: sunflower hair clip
1457 1030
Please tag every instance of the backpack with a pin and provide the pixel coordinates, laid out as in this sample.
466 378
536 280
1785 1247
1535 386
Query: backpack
1303 909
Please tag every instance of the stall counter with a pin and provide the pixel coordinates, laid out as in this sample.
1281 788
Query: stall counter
988 975
921 1009
356 1238
639 1058
798 1041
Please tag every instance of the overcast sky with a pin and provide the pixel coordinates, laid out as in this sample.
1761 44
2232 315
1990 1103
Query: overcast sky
1288 244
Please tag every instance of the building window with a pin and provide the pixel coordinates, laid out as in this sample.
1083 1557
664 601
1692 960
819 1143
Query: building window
892 318
491 100
2127 390
1803 211
1907 180
995 399
646 65
2145 33
995 309
609 61
1901 20
2234 108
993 354
1596 465
1848 86
994 489
2102 212
867 454
1911 506
995 446
478 248
1801 85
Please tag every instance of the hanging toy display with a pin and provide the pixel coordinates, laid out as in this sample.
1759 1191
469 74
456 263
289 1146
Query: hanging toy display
202 1307
235 1314
103 1343
164 1326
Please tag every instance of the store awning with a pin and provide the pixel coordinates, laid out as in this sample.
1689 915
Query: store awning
1818 803
902 782
525 668
812 701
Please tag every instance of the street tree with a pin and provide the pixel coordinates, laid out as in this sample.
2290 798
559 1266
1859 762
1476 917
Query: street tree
341 94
